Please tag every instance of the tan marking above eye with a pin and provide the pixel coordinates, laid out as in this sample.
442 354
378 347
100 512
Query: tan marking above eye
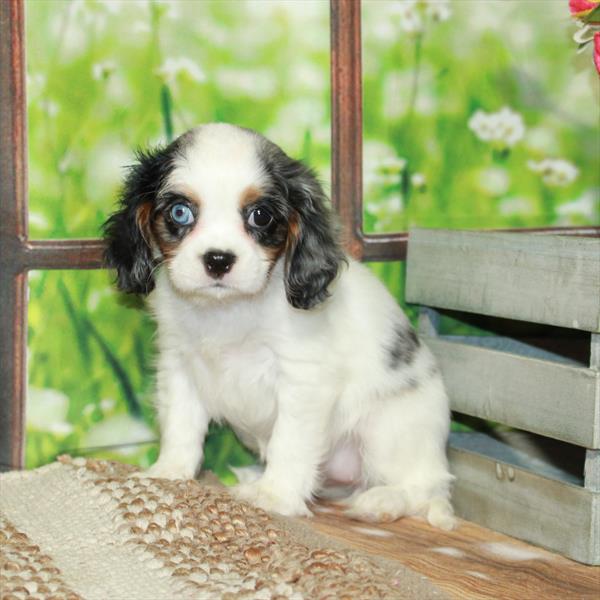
249 195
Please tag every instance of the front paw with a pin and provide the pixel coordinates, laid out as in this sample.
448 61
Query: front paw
166 470
272 499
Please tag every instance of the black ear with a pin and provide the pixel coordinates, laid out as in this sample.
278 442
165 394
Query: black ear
313 253
127 231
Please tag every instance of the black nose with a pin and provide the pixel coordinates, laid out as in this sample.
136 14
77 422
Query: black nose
217 263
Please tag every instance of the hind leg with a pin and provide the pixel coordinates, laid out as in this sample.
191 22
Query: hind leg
404 459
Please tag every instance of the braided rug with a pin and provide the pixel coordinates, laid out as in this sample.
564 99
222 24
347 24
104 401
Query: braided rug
86 529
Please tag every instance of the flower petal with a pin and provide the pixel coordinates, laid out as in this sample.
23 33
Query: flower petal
580 8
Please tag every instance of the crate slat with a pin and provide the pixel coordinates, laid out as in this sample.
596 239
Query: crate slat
521 503
545 397
553 280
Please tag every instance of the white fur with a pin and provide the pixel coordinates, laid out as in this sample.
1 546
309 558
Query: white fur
297 386
220 165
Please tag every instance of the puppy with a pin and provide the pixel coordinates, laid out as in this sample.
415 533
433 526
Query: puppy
265 324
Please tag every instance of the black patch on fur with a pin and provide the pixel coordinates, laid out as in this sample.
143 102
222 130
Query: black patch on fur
412 383
128 249
404 346
313 252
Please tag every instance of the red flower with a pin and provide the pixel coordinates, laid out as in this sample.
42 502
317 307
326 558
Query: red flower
582 8
597 51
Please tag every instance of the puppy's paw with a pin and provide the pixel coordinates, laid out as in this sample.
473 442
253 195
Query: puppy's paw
166 470
379 504
440 514
271 498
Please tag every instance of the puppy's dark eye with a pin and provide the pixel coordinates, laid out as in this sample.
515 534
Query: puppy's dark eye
181 214
260 218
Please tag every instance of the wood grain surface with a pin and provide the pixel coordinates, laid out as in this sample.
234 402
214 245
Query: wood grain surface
469 562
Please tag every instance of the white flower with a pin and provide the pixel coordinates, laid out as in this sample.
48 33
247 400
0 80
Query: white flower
555 171
385 209
140 27
60 428
50 107
103 70
394 204
105 168
96 297
66 162
504 128
172 68
38 220
255 83
381 165
515 205
542 139
418 181
395 98
392 165
35 83
107 404
438 10
308 114
171 9
113 7
389 169
47 410
88 409
307 76
120 429
409 16
587 205
494 180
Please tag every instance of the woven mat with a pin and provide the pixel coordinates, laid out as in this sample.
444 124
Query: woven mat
86 529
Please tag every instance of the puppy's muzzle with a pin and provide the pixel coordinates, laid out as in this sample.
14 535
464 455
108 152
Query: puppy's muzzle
218 262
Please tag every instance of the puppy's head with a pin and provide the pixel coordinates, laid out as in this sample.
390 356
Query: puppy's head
218 208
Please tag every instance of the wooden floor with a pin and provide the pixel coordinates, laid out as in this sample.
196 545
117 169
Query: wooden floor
469 562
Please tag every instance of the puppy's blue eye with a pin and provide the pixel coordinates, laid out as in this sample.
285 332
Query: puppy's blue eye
182 214
260 218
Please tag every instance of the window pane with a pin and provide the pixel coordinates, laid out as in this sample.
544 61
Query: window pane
434 72
107 77
90 369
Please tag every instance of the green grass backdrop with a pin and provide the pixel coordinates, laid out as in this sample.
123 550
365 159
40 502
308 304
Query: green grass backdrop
105 77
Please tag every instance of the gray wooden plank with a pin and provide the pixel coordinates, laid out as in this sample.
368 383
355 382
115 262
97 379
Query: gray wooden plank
545 397
507 344
595 351
429 321
591 470
549 279
505 449
515 501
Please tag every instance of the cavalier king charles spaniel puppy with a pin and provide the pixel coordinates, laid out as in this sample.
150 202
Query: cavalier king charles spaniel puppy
266 325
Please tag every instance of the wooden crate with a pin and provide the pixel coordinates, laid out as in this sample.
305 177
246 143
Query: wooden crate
546 279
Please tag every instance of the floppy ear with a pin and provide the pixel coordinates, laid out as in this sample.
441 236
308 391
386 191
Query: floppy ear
313 253
127 231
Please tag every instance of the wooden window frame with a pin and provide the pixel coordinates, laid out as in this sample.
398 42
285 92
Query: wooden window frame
19 254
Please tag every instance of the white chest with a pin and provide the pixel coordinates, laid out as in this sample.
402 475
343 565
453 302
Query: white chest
237 384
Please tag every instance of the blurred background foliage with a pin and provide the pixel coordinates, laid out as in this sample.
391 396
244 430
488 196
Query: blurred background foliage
107 76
